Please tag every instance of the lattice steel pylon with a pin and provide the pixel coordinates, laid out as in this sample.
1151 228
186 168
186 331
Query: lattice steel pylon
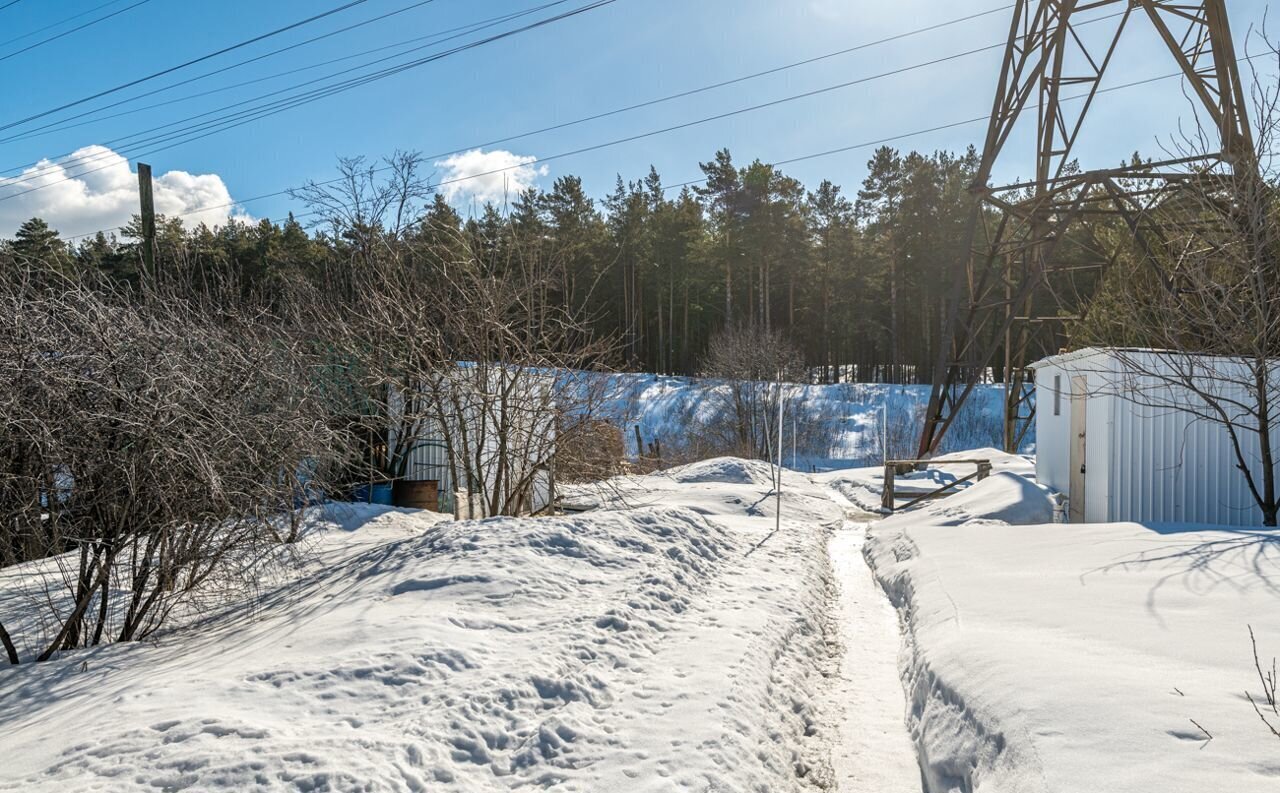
1014 231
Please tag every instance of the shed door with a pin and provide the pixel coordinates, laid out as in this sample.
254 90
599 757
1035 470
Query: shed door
1079 402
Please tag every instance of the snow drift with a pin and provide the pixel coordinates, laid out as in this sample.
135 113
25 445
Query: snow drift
674 643
1075 657
727 470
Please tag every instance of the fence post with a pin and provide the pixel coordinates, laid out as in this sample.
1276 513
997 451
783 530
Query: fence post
889 499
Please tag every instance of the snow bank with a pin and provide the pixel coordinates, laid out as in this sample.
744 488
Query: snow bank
678 643
1074 657
1021 464
1011 487
728 470
1002 497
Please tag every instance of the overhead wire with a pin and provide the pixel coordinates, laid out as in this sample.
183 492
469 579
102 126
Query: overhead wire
59 23
205 129
76 29
432 39
184 65
289 103
54 125
60 124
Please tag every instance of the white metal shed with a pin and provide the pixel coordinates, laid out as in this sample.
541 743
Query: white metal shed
1111 437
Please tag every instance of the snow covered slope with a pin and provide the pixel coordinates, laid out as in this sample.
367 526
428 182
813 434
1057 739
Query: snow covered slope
847 416
1069 658
672 642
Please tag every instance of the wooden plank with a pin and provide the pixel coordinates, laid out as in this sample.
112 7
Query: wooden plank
940 491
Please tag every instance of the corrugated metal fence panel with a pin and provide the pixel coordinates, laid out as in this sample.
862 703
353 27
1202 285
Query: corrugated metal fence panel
429 460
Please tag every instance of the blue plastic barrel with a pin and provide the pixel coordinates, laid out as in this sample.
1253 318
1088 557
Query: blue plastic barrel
378 493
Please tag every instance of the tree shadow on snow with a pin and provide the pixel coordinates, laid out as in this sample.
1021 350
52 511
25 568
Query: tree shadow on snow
268 618
1211 558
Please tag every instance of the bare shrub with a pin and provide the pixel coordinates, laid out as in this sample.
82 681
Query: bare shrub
518 378
150 446
594 453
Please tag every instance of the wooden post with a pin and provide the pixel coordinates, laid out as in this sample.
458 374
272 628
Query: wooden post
639 444
147 201
889 499
984 470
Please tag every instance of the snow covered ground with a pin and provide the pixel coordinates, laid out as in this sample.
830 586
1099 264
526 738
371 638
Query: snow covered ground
1045 657
672 641
676 639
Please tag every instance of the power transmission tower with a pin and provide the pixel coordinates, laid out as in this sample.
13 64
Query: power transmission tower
1004 298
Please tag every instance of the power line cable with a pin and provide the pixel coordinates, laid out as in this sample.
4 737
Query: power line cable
205 129
180 66
60 124
9 4
638 106
59 23
805 62
76 29
292 103
288 103
208 128
434 39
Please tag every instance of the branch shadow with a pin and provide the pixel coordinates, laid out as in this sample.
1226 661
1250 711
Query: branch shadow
1211 559
243 627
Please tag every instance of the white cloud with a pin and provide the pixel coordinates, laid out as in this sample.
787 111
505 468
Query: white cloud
95 189
487 176
828 10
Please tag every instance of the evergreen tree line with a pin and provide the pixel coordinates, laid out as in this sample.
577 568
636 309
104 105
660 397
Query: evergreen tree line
858 282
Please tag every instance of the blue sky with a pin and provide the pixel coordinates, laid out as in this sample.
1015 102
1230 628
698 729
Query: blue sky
627 52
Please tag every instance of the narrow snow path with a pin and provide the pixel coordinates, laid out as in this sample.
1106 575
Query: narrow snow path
875 753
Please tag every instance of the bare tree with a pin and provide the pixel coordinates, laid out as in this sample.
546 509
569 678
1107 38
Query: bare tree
454 341
1269 680
518 379
752 364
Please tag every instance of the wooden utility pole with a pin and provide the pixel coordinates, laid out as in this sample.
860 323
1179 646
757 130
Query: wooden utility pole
147 200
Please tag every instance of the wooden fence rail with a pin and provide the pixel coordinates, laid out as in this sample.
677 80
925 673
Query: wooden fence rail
895 468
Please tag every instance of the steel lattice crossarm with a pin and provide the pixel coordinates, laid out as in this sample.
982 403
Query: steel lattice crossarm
1008 297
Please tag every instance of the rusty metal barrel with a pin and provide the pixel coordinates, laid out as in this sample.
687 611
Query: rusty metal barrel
418 495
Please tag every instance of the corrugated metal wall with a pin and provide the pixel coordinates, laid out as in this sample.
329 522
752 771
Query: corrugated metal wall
1146 461
1169 467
